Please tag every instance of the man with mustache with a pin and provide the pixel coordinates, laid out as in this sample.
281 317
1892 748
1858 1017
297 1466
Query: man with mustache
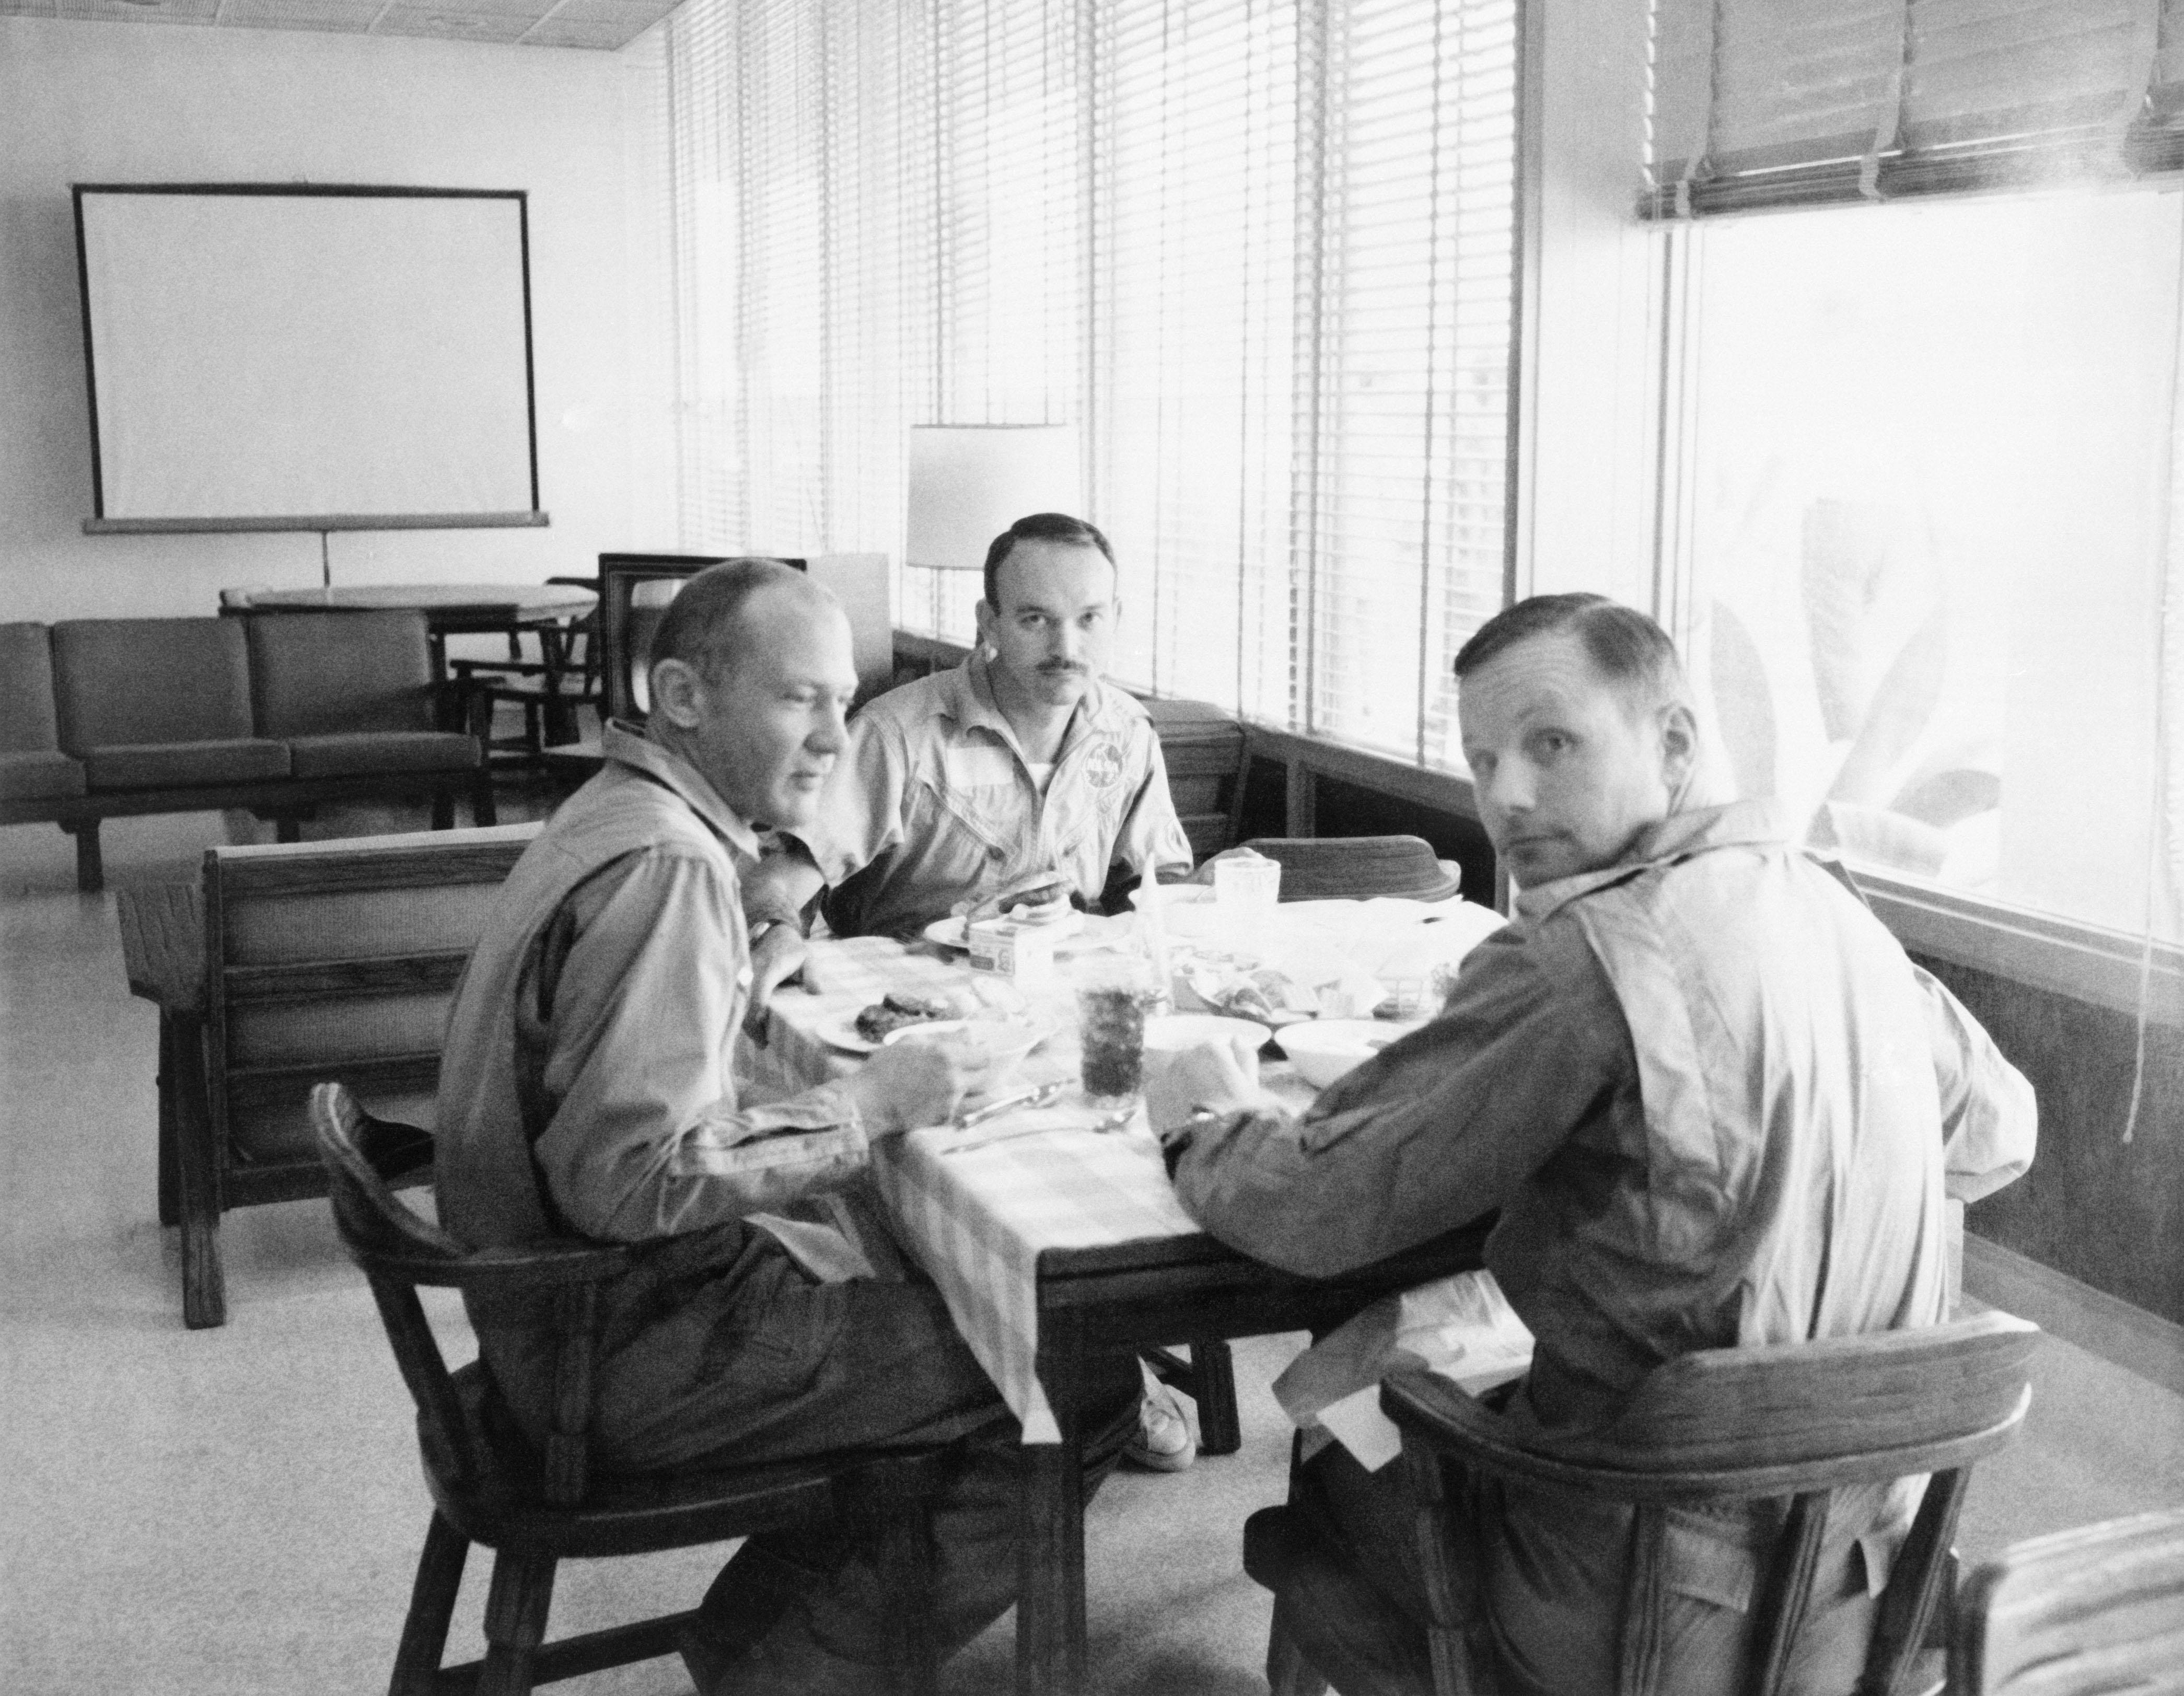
1020 769
1716 1106
587 1088
1020 773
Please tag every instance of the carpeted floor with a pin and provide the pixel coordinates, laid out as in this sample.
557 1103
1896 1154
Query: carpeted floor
237 1511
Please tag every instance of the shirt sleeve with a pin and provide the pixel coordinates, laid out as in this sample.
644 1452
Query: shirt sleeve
645 1136
1990 1120
862 814
1152 839
1434 1130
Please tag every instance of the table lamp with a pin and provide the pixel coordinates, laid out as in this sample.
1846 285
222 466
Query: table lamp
968 483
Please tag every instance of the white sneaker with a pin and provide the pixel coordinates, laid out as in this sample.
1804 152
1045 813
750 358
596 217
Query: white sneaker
1163 1442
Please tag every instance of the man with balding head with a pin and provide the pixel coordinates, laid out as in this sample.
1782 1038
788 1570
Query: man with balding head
588 1088
1716 1106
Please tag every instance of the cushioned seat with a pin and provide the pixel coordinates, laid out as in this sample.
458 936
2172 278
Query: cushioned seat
148 682
32 766
357 753
39 775
184 765
337 673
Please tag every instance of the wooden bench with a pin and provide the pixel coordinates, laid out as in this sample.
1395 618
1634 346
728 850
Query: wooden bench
315 962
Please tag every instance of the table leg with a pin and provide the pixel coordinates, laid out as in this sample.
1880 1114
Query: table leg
1051 1531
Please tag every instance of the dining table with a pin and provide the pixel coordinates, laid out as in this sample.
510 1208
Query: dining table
1051 1242
449 609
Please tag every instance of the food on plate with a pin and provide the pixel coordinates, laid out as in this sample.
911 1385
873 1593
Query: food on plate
877 1021
1266 993
1042 901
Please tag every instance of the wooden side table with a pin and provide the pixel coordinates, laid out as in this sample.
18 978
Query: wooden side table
163 952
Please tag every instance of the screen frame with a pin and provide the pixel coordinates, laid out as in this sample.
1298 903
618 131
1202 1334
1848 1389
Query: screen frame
100 524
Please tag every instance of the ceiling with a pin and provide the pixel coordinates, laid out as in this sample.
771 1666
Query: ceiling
602 25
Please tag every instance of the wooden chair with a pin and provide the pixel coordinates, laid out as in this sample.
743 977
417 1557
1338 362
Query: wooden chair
1358 867
1793 1422
1207 760
321 960
535 1510
2097 1609
549 691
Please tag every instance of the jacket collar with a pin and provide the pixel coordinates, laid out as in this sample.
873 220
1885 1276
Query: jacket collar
1681 835
627 746
968 698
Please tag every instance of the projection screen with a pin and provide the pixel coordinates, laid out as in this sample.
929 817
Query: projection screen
266 357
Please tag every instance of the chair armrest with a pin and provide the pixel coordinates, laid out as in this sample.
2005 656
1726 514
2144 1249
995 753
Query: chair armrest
1432 1412
512 1270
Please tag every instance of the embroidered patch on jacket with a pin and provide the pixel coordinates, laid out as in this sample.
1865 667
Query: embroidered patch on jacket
1103 764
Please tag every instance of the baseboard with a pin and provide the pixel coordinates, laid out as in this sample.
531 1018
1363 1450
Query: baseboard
2088 1318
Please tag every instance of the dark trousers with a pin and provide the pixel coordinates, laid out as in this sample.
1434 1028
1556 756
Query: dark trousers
811 1369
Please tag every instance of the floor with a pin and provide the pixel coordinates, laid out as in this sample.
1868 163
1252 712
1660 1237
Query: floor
237 1511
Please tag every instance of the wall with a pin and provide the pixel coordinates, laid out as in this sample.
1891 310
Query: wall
107 103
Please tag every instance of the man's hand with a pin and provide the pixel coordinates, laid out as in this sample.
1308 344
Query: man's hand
1038 889
1222 1074
907 1084
776 957
782 885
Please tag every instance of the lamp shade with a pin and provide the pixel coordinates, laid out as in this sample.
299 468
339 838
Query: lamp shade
968 483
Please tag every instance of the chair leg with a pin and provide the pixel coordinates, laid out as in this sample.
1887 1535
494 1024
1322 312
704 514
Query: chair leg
432 1606
1213 1373
89 867
515 1609
484 810
196 1163
906 1560
171 1181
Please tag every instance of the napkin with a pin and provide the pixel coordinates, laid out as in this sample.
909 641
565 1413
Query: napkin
1460 1326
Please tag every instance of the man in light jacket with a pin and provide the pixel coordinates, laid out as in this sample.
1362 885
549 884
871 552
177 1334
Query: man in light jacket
1716 1106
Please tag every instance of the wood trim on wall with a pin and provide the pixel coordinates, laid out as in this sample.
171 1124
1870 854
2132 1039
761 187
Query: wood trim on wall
2116 1331
2103 968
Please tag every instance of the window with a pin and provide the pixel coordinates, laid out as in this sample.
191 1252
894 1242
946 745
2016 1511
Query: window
1261 251
1932 494
1934 446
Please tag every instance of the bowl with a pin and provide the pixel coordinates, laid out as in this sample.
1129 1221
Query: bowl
1006 1039
1323 1049
1173 1033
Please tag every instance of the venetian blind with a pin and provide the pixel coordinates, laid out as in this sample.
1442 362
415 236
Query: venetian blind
1760 103
1260 251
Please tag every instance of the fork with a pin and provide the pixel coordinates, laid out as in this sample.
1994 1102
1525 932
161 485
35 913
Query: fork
1113 1121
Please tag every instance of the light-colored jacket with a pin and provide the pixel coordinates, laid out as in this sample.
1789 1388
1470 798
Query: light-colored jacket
1717 1105
588 1082
934 804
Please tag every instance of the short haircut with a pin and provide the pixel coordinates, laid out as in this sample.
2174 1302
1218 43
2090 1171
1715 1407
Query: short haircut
1626 648
703 624
1039 527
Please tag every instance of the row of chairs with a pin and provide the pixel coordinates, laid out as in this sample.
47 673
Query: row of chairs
2099 1609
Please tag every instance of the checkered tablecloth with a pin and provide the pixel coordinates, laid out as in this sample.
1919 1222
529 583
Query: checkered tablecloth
978 1219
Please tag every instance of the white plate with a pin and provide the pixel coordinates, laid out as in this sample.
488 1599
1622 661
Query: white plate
842 1032
952 931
